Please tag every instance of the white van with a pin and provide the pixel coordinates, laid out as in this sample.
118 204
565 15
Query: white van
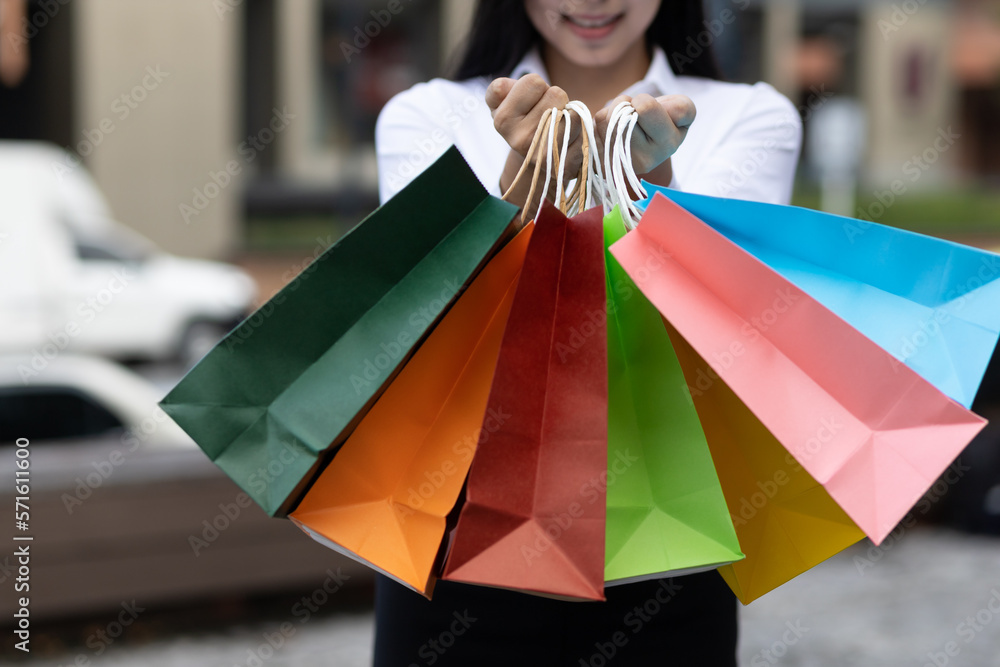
71 278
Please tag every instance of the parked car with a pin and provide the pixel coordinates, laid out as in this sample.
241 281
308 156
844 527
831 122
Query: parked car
73 279
123 505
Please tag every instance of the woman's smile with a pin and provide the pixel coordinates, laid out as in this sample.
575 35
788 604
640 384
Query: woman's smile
593 33
592 26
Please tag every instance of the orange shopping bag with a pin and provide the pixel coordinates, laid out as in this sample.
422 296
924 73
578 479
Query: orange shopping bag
384 498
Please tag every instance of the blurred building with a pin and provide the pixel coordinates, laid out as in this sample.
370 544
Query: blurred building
895 57
193 114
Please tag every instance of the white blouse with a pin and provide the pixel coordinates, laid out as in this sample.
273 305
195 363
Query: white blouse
743 144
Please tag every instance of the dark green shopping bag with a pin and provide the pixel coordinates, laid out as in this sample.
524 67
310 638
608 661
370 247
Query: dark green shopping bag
285 388
666 515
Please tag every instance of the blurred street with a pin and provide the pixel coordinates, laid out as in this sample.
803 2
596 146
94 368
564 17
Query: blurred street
908 603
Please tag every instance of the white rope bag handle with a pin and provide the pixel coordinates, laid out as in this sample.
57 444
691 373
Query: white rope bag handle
578 194
618 157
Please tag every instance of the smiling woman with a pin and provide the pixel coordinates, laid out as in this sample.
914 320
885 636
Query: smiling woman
592 36
694 133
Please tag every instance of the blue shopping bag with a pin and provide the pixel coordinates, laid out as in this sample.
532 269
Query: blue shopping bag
932 304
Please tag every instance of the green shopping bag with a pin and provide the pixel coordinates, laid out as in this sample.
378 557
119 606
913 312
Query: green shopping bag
666 514
286 387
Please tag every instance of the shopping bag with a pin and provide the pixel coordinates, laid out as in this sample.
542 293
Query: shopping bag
785 520
284 389
933 304
875 437
533 517
666 513
384 498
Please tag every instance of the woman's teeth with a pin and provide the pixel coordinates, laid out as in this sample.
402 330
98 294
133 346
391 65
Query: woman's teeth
590 22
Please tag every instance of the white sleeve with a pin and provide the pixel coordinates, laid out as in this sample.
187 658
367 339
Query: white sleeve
756 158
408 139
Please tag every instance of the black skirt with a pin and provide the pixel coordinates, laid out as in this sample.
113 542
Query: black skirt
686 621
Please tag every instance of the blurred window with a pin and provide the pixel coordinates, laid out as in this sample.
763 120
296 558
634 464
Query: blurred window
48 413
92 251
112 247
368 55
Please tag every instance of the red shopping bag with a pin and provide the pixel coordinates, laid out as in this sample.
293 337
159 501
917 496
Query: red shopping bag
533 518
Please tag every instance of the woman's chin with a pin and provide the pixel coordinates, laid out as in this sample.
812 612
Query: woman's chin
596 56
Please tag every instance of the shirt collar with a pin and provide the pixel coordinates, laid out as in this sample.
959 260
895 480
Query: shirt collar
659 72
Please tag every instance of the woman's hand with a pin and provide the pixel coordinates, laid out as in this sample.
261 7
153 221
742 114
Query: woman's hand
662 126
517 107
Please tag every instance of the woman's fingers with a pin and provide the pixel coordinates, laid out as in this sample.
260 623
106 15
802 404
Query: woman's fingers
654 121
663 124
518 106
680 108
497 92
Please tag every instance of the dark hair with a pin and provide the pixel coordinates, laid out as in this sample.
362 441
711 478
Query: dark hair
502 33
